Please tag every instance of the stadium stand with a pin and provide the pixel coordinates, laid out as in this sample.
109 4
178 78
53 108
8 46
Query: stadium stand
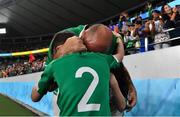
153 27
22 65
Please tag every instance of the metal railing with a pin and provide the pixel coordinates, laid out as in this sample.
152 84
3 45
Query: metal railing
146 46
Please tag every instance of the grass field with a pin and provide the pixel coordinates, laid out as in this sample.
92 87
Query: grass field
10 108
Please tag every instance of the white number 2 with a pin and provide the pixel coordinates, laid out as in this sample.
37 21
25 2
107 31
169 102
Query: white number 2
83 106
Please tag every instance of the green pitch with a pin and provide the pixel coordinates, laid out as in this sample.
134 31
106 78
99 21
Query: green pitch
11 108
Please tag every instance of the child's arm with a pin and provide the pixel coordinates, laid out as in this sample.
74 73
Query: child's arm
121 103
45 84
35 96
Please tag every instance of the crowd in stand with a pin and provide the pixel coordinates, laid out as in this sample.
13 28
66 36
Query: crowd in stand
135 31
20 67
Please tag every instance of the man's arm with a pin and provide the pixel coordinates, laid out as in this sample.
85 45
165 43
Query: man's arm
126 79
121 103
132 94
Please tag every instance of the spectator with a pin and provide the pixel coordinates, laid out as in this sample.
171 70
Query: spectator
31 58
149 8
156 28
170 16
123 20
128 35
4 74
44 63
130 40
140 31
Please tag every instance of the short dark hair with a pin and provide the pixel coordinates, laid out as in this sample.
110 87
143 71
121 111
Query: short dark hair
59 39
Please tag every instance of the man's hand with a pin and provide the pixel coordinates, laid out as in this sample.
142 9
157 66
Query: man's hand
132 99
72 44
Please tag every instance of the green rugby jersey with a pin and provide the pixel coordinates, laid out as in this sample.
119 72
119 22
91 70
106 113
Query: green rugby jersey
77 31
83 82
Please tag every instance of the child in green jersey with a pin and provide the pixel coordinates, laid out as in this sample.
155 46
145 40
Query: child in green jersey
82 79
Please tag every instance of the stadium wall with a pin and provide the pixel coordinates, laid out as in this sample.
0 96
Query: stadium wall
20 87
155 74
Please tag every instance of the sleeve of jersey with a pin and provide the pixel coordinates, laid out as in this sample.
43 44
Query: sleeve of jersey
46 80
76 30
113 62
114 45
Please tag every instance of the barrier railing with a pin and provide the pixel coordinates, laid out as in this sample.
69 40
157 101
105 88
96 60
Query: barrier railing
165 41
